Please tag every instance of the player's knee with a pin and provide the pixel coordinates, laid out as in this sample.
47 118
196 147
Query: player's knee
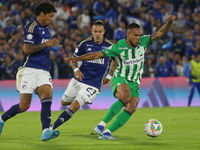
130 108
74 106
63 103
126 99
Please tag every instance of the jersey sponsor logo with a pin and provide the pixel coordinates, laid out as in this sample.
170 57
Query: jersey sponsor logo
89 49
90 45
29 36
123 47
43 32
133 61
97 61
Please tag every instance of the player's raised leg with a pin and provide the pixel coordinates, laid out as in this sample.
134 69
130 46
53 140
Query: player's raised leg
25 101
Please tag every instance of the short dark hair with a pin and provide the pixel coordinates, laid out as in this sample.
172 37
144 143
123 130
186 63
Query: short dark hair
98 23
44 7
132 25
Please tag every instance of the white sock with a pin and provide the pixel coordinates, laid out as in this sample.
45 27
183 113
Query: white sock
102 123
44 130
1 119
107 130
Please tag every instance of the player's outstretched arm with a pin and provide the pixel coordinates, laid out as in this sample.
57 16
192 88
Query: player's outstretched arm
164 29
90 56
31 48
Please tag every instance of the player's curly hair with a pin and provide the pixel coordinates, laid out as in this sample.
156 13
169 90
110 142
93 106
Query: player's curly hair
44 7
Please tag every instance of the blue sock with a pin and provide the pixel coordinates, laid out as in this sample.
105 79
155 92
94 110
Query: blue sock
11 112
66 115
46 113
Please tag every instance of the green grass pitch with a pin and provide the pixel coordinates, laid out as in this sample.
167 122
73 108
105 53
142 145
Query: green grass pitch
181 129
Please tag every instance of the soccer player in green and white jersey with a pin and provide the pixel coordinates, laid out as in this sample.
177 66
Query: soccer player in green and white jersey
129 53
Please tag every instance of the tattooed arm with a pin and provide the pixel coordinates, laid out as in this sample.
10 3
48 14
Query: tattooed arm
113 66
30 48
164 30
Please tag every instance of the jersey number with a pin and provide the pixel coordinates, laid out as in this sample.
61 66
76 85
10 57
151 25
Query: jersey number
91 91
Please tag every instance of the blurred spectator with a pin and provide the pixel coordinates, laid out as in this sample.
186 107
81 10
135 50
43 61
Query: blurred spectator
7 69
185 4
186 65
62 14
84 19
10 27
3 20
65 70
179 47
122 15
2 55
179 68
120 32
17 62
54 66
72 20
196 30
163 68
193 49
149 70
172 62
187 39
98 7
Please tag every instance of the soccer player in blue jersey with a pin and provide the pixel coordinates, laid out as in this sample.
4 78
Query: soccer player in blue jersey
88 79
33 75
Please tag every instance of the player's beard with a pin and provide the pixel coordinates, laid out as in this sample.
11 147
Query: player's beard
132 45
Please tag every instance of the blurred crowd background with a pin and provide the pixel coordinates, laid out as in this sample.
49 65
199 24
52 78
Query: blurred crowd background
167 57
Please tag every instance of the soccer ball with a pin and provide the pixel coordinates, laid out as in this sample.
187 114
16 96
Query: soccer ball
153 128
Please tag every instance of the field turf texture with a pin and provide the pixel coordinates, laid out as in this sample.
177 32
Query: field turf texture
181 131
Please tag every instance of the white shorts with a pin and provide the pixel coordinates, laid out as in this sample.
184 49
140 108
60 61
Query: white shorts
76 89
29 79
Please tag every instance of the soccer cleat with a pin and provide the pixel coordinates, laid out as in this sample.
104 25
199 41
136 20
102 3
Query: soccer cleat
54 134
99 129
49 134
1 125
106 135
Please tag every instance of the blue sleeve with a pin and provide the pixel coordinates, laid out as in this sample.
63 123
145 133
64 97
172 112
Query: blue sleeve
29 37
79 51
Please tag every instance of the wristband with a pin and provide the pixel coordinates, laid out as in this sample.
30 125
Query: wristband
76 69
56 48
109 77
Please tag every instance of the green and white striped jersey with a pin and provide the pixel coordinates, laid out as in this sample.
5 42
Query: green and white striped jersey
130 60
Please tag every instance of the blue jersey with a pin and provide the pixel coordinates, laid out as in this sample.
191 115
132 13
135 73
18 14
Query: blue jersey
35 34
93 70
